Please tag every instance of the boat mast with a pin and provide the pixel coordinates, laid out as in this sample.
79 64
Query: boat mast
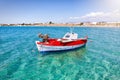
71 29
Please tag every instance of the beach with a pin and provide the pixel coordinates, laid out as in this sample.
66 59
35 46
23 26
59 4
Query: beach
82 24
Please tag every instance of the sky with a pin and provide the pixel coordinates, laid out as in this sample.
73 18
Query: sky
59 11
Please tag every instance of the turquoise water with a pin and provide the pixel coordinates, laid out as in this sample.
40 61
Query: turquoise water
20 59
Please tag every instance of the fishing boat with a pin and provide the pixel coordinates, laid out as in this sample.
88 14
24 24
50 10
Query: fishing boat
69 41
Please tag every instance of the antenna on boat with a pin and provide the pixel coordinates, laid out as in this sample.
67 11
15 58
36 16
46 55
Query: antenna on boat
71 29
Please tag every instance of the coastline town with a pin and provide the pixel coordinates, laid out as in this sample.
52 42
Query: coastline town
85 24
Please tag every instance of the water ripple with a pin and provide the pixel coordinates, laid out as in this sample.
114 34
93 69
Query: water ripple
20 59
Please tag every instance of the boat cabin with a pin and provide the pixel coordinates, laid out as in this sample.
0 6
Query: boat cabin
71 36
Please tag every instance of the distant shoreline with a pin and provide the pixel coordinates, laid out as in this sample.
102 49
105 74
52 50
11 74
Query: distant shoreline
87 24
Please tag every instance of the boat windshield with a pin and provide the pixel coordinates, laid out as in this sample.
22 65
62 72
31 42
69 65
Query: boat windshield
70 36
67 36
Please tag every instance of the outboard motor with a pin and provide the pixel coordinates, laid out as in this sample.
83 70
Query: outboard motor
44 37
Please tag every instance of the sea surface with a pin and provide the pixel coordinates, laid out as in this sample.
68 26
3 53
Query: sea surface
20 59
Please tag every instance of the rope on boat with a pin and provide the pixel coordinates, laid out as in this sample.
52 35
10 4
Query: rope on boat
90 40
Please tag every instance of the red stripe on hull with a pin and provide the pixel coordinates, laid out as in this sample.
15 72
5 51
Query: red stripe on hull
54 42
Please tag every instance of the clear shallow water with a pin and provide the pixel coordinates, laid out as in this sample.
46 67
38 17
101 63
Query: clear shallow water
20 59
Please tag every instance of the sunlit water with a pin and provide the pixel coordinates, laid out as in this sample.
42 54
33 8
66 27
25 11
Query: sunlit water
20 59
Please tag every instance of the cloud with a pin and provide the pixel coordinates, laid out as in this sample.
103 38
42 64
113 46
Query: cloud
100 16
74 17
93 14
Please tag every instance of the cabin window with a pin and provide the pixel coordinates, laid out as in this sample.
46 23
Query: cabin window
67 36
